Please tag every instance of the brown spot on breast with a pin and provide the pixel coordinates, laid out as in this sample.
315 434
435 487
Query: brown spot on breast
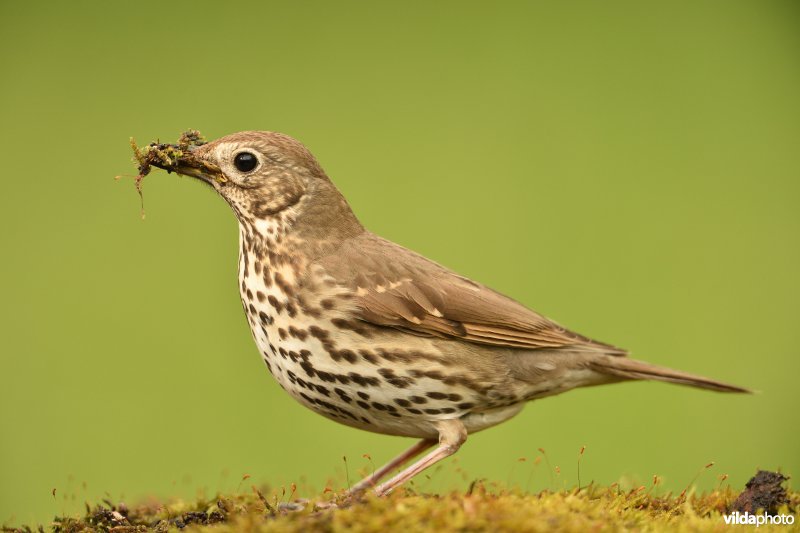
353 326
458 379
368 356
307 398
298 333
275 303
364 381
306 308
348 355
282 285
326 376
318 333
443 396
261 296
431 374
394 356
322 390
245 262
308 368
392 379
327 304
343 395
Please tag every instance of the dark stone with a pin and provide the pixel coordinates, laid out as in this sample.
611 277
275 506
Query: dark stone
764 491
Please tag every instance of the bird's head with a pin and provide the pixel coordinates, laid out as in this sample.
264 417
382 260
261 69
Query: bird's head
264 176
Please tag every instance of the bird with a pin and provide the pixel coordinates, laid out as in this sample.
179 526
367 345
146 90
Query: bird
370 334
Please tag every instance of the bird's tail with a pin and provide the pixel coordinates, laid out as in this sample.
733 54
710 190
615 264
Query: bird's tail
632 369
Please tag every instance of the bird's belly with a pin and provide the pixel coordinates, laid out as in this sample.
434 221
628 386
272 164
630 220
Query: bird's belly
350 391
360 380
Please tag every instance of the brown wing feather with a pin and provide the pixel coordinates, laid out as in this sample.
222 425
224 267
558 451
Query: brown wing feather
396 287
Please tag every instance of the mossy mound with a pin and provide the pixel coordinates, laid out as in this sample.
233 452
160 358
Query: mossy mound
592 508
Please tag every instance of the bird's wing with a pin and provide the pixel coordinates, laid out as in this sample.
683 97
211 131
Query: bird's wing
398 288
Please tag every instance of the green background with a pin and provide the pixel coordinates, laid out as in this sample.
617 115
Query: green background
628 169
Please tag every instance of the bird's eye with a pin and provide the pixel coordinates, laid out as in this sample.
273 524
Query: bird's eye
245 161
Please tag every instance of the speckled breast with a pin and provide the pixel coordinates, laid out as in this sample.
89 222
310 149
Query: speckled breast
352 372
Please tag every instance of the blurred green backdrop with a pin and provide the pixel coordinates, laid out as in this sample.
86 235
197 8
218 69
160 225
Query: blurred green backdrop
630 169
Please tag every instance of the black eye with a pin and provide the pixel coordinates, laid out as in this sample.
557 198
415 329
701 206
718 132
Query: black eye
245 161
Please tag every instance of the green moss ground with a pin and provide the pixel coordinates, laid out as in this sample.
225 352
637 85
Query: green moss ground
482 508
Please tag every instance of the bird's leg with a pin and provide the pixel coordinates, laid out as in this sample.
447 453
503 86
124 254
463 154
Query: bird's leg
400 460
452 435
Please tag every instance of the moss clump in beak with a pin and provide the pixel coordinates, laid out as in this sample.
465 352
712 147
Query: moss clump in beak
178 157
170 157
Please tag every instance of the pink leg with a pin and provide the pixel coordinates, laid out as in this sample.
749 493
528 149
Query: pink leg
400 460
452 435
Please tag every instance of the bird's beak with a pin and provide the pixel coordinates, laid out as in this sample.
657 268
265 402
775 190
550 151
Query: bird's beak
196 167
179 158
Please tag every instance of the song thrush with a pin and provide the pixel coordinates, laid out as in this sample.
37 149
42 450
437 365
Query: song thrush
371 334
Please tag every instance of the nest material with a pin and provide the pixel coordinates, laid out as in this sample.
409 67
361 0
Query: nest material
165 156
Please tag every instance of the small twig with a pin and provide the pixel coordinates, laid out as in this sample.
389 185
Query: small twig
346 471
549 466
682 496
